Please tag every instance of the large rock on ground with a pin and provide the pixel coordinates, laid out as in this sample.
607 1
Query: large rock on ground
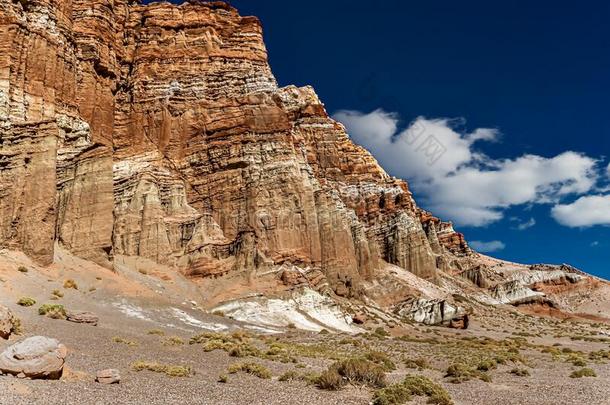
108 376
34 357
82 317
7 322
432 312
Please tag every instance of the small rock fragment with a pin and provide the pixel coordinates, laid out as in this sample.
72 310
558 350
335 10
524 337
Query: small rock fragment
6 322
82 317
108 376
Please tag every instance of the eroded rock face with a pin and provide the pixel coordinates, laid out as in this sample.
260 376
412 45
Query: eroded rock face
159 131
433 312
34 357
7 322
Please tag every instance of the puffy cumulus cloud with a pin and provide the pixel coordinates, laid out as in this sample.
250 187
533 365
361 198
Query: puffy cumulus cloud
487 247
584 212
457 182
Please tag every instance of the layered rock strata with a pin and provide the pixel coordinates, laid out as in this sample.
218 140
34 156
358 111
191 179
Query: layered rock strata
159 131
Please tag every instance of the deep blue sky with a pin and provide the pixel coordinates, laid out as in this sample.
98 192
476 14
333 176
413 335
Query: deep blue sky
539 71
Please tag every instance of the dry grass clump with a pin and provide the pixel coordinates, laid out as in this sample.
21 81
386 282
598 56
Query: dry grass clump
167 369
157 332
70 284
223 378
353 370
251 368
381 359
412 385
118 339
520 372
55 311
57 293
419 363
290 375
583 372
17 326
460 372
22 269
173 341
26 301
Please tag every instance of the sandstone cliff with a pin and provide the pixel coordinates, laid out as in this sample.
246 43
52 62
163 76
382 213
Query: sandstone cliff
159 132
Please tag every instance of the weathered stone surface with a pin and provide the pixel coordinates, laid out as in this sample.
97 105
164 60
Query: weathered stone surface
34 357
108 376
432 312
82 317
166 136
6 322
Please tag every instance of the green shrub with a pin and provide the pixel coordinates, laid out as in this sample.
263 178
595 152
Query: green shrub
167 369
26 301
352 370
583 372
252 368
412 385
520 372
55 311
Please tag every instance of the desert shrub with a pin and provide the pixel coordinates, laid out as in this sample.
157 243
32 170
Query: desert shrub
330 380
26 301
118 339
583 372
487 365
157 332
381 332
17 326
520 372
22 269
57 293
579 362
252 368
352 370
323 332
290 375
55 311
460 372
412 385
167 369
223 378
70 284
173 341
419 363
381 359
218 313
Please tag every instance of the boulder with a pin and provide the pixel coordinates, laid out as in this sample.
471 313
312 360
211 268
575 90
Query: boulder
7 322
82 317
108 376
34 357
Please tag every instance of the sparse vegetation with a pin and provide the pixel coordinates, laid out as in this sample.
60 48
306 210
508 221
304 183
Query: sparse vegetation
223 378
173 341
167 369
57 293
460 372
520 372
252 368
17 327
419 363
157 332
583 372
26 301
55 311
69 283
290 375
219 313
412 385
118 339
352 370
22 269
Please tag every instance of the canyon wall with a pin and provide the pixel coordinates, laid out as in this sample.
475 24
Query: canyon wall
159 131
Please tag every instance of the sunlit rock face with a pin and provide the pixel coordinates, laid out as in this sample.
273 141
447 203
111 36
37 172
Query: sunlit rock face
159 131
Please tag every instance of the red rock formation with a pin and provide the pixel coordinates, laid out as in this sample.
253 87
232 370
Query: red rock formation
159 131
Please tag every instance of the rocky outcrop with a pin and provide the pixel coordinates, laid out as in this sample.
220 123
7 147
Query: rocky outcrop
88 318
159 131
34 357
433 312
7 322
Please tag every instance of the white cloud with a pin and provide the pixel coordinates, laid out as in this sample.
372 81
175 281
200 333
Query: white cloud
522 226
455 181
595 243
487 247
585 211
